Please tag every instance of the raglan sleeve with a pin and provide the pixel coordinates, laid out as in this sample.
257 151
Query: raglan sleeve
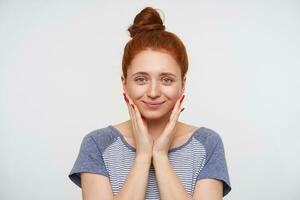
89 159
215 166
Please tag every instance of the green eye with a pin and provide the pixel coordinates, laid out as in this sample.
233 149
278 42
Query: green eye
140 80
167 80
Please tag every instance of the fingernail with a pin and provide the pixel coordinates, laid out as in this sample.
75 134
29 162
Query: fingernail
182 109
125 97
182 98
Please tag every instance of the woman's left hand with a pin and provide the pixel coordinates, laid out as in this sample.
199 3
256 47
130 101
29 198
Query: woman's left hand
162 143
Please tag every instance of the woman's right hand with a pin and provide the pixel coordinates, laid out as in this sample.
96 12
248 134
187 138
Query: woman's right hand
143 139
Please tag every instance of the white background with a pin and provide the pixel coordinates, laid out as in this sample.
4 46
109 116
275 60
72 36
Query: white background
60 68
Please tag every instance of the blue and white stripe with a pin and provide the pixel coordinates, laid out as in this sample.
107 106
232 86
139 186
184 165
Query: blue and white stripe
187 161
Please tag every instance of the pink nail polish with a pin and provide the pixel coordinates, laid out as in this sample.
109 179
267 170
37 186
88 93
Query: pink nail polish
126 99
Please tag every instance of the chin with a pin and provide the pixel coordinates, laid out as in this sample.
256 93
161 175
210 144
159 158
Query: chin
153 115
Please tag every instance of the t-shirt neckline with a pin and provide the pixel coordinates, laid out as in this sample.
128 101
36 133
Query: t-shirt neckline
115 130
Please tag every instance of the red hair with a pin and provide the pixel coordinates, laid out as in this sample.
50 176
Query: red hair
148 32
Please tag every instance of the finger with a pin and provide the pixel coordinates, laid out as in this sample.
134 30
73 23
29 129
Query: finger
139 117
132 109
182 99
176 107
128 99
138 120
128 105
178 114
175 117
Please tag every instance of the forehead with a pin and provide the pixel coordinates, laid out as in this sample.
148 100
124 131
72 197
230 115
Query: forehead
154 63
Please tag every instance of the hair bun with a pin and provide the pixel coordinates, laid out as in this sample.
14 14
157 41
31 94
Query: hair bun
147 20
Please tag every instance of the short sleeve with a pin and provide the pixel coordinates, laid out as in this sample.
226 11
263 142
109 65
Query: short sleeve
89 159
215 166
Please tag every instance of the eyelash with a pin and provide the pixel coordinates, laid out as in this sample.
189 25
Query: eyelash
169 80
142 78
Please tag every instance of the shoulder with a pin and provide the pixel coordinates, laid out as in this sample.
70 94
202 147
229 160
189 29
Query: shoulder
205 134
209 138
102 137
201 133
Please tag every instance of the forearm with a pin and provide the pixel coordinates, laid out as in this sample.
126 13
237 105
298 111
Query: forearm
135 185
169 184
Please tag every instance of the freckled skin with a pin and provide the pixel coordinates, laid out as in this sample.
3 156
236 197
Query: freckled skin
153 86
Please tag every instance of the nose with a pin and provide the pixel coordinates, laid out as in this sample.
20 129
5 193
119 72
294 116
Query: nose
153 90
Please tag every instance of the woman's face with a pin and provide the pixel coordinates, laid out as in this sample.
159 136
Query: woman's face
154 83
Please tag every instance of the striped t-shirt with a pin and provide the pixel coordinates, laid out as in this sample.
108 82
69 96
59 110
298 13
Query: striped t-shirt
105 151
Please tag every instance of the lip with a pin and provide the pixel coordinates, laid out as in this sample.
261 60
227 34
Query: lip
153 104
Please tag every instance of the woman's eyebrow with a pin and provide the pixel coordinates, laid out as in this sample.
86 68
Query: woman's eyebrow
168 73
162 74
140 73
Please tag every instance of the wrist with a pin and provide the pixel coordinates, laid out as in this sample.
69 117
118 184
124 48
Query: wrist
159 157
160 154
143 157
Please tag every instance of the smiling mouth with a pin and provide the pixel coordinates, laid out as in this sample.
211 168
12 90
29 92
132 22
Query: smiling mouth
153 105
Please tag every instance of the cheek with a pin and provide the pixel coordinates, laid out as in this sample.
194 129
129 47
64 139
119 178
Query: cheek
135 92
171 92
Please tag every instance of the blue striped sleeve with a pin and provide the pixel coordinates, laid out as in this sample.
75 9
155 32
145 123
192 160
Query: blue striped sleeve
89 160
215 166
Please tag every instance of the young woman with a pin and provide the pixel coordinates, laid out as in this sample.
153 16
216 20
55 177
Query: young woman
152 155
